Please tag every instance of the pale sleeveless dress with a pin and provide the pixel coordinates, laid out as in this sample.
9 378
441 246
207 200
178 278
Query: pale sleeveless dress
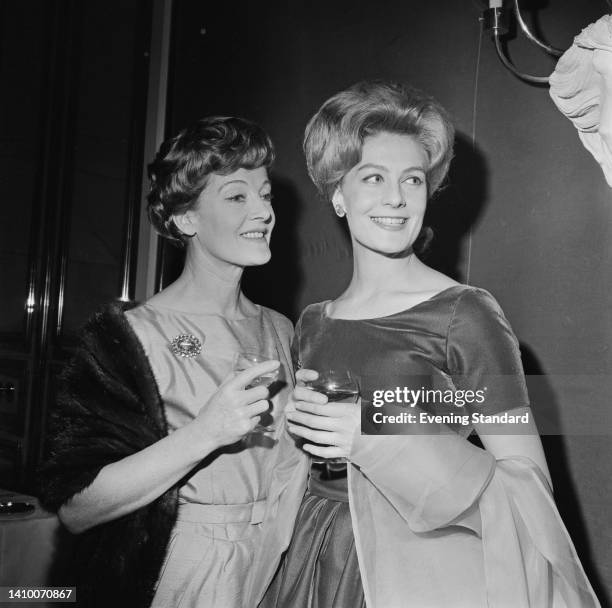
221 504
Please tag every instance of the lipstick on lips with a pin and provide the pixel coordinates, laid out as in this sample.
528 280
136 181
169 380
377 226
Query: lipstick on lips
388 222
255 235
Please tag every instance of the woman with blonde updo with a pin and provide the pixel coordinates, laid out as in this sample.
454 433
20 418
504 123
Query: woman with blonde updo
418 517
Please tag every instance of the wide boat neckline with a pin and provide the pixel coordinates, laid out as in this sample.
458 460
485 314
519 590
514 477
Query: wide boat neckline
164 308
437 295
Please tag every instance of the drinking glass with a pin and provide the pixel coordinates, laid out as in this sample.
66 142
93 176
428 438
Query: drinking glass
338 386
245 360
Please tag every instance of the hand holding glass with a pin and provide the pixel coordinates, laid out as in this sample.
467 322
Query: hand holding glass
245 360
337 386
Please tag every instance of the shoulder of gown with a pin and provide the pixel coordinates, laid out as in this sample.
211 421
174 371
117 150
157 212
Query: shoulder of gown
478 331
482 352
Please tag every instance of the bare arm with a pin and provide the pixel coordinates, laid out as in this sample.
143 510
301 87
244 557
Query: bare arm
133 482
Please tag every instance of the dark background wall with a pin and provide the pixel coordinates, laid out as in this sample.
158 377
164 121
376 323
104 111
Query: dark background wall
526 214
73 80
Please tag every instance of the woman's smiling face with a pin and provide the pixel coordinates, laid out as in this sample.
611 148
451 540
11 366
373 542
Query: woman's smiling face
233 219
385 194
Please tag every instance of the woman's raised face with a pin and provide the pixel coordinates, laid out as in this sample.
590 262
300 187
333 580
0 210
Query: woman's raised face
385 194
233 219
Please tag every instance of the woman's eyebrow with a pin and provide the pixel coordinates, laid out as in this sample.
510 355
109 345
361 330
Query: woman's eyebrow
383 168
233 181
372 166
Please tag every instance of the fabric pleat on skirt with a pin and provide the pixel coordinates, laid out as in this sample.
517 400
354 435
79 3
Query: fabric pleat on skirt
320 568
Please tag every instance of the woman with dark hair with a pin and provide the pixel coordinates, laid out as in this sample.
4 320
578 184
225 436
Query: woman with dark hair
153 461
419 516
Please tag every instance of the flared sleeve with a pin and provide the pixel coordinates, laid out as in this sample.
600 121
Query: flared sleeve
525 558
432 481
530 560
417 490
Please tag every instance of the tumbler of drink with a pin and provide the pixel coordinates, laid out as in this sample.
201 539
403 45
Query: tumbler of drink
338 386
247 359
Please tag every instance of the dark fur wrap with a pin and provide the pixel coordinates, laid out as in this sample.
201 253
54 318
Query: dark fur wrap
109 407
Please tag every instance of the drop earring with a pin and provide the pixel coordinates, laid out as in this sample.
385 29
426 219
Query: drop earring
340 212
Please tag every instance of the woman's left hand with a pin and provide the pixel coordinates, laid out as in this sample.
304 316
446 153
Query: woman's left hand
332 425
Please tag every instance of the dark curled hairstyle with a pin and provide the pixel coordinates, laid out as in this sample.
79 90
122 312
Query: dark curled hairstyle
335 134
181 168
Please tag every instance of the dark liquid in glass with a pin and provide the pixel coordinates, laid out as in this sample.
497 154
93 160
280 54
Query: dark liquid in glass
338 394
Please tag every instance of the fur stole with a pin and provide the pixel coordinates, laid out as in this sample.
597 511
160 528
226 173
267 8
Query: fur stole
108 407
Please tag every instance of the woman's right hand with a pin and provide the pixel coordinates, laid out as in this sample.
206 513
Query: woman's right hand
233 410
327 429
134 481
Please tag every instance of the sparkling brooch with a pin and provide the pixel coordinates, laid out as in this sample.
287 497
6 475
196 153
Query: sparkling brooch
186 345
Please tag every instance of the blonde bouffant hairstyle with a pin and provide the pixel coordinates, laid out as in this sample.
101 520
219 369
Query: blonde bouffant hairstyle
335 135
